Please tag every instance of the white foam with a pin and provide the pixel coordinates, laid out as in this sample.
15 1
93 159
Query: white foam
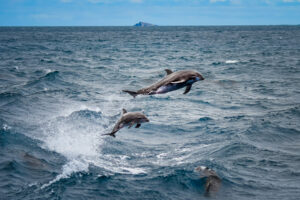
133 170
91 108
80 142
231 61
77 139
162 155
47 71
6 127
68 169
73 144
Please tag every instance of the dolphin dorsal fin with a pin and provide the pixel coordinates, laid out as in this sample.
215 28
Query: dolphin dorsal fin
124 111
168 71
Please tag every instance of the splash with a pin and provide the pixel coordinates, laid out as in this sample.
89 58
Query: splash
68 169
77 137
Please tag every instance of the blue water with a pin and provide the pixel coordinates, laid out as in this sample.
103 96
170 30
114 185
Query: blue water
61 88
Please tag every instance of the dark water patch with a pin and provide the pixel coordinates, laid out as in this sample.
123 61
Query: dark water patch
6 96
204 119
46 61
234 118
8 166
216 63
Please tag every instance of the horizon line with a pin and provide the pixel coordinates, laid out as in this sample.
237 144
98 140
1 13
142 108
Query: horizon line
147 26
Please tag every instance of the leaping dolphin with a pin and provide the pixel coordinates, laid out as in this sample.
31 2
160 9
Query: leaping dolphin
213 181
128 119
173 81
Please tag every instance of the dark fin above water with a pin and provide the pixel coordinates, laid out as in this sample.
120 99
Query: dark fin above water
132 93
187 89
124 111
138 126
168 71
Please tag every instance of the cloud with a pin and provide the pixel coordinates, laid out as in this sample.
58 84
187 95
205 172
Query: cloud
235 1
113 1
291 1
104 1
97 1
136 1
214 1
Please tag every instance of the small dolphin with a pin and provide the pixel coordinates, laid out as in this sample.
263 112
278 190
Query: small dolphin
173 81
128 119
32 161
213 181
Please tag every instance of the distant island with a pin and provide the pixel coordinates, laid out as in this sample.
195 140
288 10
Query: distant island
143 24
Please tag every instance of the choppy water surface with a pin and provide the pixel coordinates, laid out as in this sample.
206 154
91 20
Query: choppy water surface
61 89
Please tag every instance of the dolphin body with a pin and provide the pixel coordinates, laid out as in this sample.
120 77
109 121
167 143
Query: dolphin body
213 181
128 119
173 81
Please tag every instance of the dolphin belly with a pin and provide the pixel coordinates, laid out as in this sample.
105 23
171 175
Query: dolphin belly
169 88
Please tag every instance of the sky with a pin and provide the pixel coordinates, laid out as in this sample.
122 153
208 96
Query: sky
159 12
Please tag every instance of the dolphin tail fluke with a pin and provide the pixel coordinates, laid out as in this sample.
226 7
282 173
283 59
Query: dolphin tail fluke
111 134
132 93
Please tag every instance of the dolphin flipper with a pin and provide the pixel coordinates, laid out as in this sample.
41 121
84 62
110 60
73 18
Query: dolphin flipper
137 125
187 89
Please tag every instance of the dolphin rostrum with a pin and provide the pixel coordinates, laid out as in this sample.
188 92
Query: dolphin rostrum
213 181
128 119
172 81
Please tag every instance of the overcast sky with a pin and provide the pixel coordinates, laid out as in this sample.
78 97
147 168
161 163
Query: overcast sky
160 12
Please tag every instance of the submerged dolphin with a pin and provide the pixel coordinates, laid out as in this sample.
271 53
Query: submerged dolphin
128 119
173 81
213 181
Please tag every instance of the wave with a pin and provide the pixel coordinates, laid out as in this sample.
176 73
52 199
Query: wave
77 137
71 167
51 76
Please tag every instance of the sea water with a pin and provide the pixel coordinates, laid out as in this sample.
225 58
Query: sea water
61 88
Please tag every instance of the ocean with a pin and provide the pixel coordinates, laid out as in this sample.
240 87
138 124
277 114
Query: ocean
61 88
